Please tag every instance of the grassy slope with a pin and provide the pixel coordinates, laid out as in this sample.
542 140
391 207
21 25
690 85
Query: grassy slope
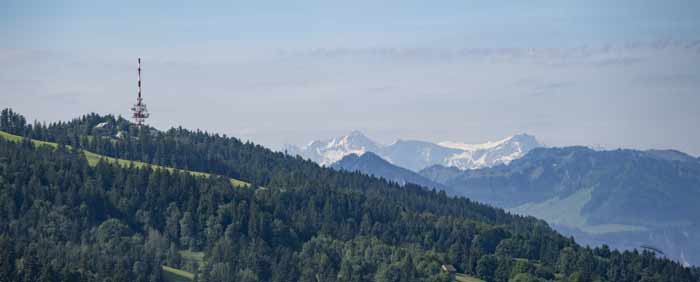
176 275
568 212
460 277
93 159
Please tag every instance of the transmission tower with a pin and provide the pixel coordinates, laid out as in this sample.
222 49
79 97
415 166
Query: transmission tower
140 110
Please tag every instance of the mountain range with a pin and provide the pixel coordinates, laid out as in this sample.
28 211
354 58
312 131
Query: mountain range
623 198
416 155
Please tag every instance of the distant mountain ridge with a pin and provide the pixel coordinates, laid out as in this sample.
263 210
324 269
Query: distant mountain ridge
625 198
371 164
417 155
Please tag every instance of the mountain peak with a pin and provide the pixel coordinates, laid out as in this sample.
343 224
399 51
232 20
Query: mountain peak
373 164
358 138
370 156
525 138
356 133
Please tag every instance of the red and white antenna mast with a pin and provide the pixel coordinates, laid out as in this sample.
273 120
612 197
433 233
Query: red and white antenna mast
140 110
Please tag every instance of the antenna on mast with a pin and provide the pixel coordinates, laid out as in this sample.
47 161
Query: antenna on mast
140 110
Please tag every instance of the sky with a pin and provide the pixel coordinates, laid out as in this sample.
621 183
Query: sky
601 73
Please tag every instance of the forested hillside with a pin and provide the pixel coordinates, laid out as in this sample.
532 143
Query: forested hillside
64 220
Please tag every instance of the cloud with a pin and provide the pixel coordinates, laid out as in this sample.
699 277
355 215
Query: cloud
624 54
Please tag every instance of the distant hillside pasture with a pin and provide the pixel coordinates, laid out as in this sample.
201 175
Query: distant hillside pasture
569 212
93 159
461 277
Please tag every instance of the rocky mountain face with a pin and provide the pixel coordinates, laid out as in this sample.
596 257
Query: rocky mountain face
625 198
416 155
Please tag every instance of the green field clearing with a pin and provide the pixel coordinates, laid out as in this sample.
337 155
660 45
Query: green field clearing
93 159
172 274
176 275
569 212
461 277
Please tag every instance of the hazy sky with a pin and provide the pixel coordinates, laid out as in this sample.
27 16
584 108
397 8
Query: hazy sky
610 73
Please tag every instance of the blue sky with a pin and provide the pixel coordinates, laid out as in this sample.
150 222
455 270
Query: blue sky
94 24
611 73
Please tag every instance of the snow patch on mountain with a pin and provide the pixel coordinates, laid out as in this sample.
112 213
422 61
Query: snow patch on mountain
491 153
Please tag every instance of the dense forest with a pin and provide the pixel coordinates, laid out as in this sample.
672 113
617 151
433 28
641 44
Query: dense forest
64 220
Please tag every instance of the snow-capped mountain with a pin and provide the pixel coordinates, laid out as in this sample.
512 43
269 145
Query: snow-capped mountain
330 151
491 153
416 155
